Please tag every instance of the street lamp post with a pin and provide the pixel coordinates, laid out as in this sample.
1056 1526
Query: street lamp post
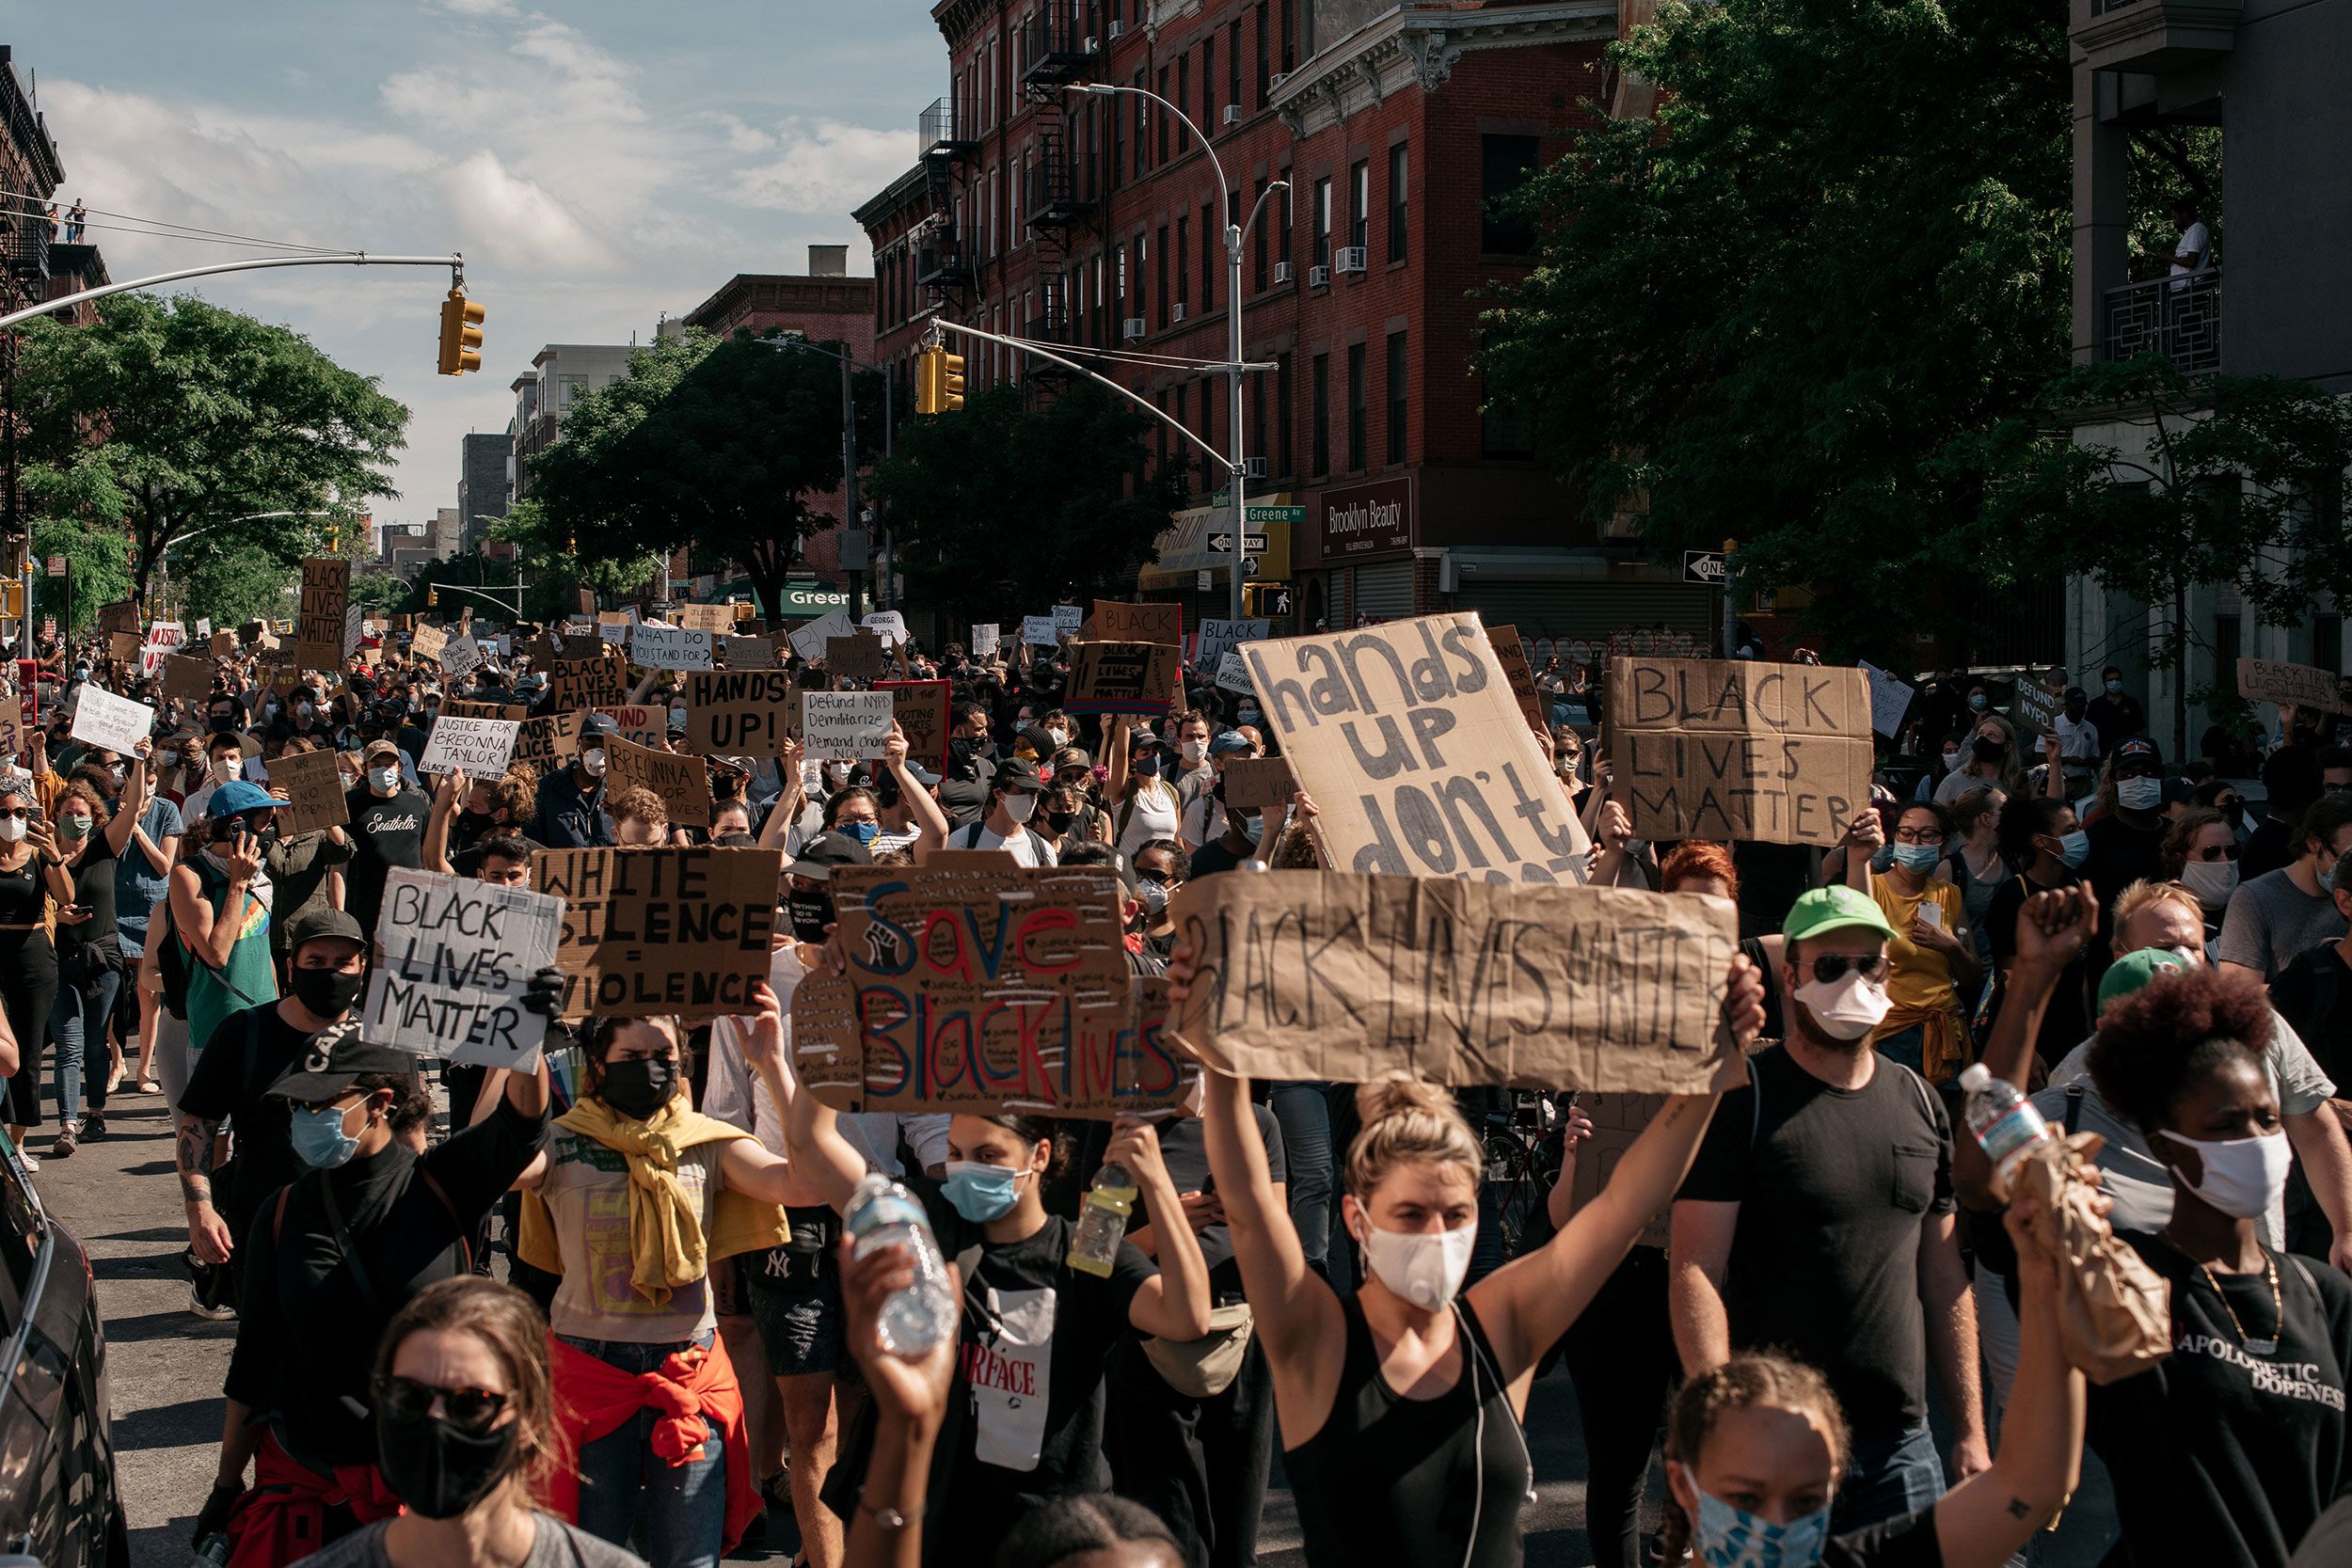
852 515
1236 464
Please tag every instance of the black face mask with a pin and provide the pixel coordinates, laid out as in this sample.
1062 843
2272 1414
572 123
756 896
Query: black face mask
810 913
328 992
736 841
438 1470
1061 820
1987 751
224 723
640 1086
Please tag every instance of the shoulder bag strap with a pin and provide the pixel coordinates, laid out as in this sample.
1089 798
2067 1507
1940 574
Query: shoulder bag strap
457 1221
2073 1108
350 1252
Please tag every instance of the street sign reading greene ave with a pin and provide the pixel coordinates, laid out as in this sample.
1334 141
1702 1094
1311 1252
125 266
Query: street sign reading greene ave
1223 543
1705 567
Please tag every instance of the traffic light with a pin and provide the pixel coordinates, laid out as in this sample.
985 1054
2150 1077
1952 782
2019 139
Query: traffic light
950 381
938 381
432 597
334 539
461 334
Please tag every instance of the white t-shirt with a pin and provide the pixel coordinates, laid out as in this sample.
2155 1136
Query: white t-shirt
1025 847
2077 743
2196 240
1155 816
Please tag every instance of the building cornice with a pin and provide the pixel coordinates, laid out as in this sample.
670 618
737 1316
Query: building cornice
1418 45
892 198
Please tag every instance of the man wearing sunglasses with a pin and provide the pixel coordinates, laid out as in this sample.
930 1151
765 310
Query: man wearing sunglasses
1818 1217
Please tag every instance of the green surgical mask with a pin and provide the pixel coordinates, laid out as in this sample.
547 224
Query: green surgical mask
73 827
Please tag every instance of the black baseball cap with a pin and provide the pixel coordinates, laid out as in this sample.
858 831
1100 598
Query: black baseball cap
821 854
335 1059
311 925
1018 773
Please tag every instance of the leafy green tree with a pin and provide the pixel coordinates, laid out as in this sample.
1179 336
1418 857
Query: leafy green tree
177 417
553 567
1840 245
2237 479
1002 506
96 572
723 443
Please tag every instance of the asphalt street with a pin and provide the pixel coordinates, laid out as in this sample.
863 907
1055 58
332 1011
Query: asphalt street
119 1195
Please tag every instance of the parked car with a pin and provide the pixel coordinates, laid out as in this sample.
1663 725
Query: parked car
58 1503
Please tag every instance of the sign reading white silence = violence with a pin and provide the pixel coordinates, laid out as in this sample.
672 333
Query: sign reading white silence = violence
453 958
654 931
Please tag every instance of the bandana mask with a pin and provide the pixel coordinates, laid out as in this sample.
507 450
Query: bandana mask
1722 1536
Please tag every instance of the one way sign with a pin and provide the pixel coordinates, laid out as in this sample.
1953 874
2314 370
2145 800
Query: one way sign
1251 544
1703 566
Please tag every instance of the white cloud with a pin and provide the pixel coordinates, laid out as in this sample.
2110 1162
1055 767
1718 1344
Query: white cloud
520 222
824 166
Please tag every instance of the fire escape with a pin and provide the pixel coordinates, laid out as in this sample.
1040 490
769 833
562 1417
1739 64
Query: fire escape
1061 197
945 260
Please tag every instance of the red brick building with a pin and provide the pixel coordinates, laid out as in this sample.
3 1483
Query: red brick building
1095 221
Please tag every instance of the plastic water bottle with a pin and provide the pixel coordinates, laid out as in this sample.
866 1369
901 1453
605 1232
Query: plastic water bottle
882 1213
2006 1125
1094 1247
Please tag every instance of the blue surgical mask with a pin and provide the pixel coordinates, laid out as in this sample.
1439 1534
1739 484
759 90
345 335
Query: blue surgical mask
1252 827
1883 859
2140 794
319 1138
1976 700
981 1193
864 832
1722 1536
1918 857
2115 688
2075 848
2327 874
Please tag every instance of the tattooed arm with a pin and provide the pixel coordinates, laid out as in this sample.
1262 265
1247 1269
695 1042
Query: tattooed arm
208 1233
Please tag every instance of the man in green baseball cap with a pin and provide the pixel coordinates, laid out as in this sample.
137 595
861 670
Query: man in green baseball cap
1833 946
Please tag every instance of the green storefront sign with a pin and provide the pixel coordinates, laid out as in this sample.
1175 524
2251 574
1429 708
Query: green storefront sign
805 596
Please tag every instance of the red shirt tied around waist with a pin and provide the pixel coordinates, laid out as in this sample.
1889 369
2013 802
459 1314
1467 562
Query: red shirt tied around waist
694 1391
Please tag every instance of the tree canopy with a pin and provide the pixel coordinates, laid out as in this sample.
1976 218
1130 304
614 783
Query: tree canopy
171 417
1840 246
1000 505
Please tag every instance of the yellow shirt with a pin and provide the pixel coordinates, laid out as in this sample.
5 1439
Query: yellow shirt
1920 977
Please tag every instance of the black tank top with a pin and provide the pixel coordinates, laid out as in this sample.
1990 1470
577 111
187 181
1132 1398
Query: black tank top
23 896
1415 1483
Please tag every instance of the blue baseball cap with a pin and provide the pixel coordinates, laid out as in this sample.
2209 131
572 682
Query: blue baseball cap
239 795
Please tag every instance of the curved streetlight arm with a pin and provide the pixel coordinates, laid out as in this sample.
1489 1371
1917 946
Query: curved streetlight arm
455 261
1220 459
1105 88
1257 207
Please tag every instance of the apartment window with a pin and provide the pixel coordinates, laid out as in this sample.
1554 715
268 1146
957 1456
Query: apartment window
1163 275
1354 406
1360 206
1184 85
2229 635
1183 263
1266 61
1321 394
1289 217
1504 164
1289 39
1323 223
1143 115
1208 258
1208 85
1397 200
1184 418
1504 429
1119 138
1257 241
1232 65
1160 154
1284 415
1397 397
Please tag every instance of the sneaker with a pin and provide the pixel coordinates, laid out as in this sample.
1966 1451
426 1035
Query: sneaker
211 1314
93 1125
25 1158
63 1147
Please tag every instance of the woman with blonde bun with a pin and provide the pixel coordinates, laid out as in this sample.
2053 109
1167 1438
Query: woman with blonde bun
1400 1405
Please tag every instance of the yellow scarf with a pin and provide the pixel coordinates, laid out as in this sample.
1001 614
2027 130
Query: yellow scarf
667 1247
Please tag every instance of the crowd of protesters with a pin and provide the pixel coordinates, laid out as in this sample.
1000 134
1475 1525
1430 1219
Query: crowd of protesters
603 1311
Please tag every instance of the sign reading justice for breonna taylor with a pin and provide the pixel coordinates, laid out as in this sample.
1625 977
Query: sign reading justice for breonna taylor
1410 739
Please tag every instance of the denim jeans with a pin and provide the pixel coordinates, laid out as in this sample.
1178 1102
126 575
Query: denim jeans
78 1017
1891 1474
1907 1046
622 1480
1305 1115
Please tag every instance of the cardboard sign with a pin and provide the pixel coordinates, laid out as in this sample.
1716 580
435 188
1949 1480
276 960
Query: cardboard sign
857 658
460 656
1140 623
583 602
809 640
1041 632
482 747
1618 1119
1324 975
740 712
187 678
1123 677
1890 698
459 708
1512 655
2265 680
315 786
323 629
658 647
113 723
1068 619
654 931
888 624
646 726
1409 738
983 989
2033 708
224 644
601 680
750 653
123 615
1233 673
1253 783
985 641
1218 638
123 646
452 956
546 743
682 781
425 643
845 727
715 619
925 712
1733 749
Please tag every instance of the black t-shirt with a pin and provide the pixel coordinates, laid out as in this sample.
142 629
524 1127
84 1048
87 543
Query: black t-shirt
2314 994
310 1320
2219 1456
1909 1542
1212 857
1037 1335
2121 855
229 1083
94 889
2269 847
2066 1023
1185 1150
1835 1188
386 830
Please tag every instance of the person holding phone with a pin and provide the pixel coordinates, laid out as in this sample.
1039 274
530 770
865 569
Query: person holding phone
91 837
1932 957
31 875
220 916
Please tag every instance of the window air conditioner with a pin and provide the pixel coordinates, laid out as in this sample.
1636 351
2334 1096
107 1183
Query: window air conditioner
1180 311
1354 258
1281 272
1118 30
1274 83
1131 329
1318 278
1253 467
1233 114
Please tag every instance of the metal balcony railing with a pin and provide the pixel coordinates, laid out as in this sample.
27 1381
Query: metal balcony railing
944 257
948 129
2177 317
1057 45
27 244
1059 189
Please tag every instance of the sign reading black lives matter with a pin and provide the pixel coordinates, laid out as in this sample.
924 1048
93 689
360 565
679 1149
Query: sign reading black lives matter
1414 749
654 931
452 956
1732 749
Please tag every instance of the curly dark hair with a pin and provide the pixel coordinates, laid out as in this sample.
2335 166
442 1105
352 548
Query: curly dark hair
2024 818
2172 1033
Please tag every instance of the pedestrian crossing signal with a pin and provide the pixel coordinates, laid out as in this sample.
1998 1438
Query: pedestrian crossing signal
461 334
938 382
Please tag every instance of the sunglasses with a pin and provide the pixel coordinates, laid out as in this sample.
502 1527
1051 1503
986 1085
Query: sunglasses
469 1410
1830 967
2217 852
17 814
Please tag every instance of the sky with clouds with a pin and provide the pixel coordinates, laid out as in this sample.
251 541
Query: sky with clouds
598 162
